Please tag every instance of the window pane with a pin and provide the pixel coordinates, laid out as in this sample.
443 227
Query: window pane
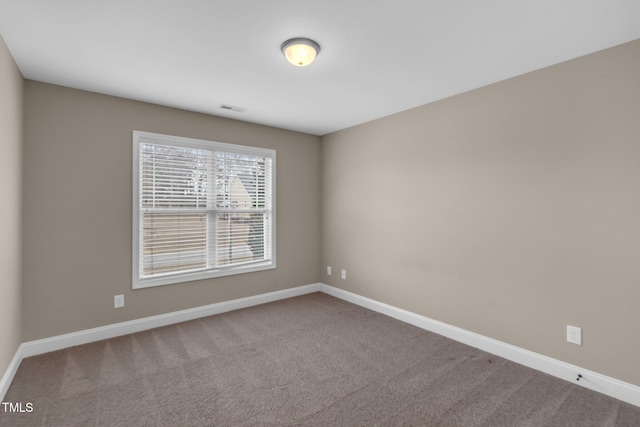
240 238
173 243
241 181
173 177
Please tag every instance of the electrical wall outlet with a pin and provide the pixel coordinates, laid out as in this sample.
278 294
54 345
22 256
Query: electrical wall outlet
344 274
118 301
328 270
574 335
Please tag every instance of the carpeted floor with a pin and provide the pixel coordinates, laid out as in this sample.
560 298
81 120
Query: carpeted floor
310 360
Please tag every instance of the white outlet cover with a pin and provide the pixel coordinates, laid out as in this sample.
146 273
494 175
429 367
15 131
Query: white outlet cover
344 274
328 270
574 335
118 301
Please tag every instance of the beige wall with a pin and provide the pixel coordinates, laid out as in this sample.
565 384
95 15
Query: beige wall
11 86
510 211
77 210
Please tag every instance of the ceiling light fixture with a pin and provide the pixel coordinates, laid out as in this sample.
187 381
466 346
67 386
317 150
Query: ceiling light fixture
300 51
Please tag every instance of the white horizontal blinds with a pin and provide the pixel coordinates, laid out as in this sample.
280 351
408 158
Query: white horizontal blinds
173 177
173 242
243 206
173 196
202 209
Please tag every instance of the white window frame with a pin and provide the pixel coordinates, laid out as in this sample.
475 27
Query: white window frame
138 282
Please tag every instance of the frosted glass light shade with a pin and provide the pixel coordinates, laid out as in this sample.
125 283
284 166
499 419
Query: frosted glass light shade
300 52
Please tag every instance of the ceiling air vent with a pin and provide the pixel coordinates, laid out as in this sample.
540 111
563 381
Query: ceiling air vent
232 108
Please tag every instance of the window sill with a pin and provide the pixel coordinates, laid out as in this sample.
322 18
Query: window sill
171 279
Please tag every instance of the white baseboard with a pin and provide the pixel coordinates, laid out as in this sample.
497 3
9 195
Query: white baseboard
592 380
5 382
45 345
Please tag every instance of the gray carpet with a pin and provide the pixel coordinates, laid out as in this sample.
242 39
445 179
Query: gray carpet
310 360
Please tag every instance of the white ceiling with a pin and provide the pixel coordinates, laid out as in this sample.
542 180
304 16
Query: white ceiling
378 57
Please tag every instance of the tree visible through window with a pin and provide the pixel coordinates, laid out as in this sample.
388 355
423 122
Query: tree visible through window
203 209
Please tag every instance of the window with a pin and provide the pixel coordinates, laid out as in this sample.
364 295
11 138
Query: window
201 209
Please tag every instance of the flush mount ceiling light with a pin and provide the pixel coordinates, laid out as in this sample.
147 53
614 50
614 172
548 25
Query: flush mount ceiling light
300 51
